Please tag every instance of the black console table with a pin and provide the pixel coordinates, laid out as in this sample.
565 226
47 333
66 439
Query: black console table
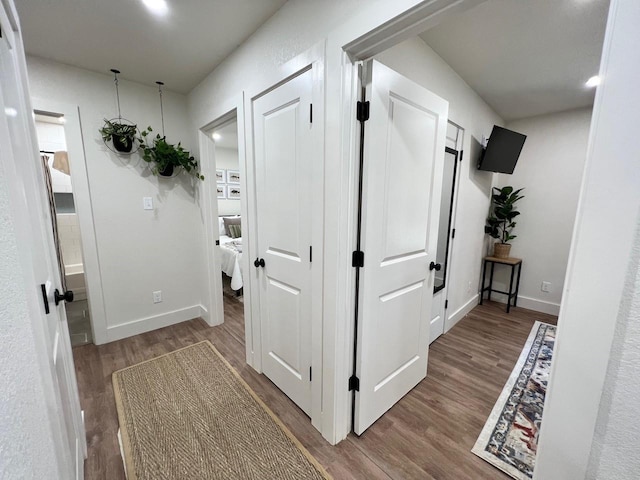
509 261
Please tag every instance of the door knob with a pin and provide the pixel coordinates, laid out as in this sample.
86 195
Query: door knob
435 266
66 296
259 262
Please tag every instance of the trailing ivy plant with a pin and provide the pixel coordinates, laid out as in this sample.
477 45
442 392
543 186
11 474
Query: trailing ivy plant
500 222
121 134
165 157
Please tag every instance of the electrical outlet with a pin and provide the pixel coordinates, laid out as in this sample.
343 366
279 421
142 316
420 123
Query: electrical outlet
147 203
469 288
546 286
157 296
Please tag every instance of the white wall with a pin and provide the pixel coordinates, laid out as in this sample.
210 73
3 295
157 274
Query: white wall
599 315
227 159
139 251
297 26
614 454
550 169
417 61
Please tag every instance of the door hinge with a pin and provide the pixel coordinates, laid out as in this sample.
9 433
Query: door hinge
310 376
362 111
357 259
453 233
446 304
311 113
45 299
217 242
310 254
354 383
461 154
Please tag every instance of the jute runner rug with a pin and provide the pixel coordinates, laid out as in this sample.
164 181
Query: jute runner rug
189 415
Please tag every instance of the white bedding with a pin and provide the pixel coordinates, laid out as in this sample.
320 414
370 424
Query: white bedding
231 259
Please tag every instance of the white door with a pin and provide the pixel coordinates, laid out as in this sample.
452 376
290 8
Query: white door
20 157
283 157
403 156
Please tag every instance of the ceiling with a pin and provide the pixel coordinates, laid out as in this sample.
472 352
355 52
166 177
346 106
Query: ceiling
227 135
179 48
525 57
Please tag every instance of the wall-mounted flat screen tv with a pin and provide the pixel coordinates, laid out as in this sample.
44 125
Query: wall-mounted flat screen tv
502 152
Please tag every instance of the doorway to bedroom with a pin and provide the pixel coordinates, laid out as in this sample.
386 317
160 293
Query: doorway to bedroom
228 195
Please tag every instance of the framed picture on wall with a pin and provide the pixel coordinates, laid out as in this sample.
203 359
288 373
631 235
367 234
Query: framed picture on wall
221 177
233 176
233 192
222 191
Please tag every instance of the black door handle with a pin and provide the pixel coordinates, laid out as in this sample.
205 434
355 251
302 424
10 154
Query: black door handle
435 266
259 262
66 296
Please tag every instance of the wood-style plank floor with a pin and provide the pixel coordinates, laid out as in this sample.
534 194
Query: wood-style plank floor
427 435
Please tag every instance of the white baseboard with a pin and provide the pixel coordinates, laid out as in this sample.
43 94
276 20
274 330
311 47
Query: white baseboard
143 325
204 314
459 314
537 305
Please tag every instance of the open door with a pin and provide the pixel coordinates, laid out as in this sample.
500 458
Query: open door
283 160
404 145
26 191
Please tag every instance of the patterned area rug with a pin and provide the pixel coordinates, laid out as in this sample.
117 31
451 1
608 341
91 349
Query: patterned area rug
189 415
509 439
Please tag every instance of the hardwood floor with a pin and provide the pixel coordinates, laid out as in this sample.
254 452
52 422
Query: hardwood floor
427 435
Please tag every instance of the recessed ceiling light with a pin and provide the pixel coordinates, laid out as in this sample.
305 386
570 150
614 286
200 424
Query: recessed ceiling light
216 136
11 112
158 7
593 81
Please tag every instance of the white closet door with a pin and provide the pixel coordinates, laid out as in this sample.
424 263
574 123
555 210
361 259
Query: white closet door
404 152
29 198
283 154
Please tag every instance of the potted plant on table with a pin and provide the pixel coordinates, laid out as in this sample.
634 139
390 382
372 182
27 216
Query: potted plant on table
500 222
122 135
165 156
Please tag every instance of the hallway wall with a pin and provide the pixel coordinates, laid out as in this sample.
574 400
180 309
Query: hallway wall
140 251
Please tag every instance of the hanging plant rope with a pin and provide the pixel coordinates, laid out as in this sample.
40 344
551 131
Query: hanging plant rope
115 80
160 84
119 134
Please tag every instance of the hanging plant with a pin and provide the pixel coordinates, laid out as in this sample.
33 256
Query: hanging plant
122 135
166 157
119 131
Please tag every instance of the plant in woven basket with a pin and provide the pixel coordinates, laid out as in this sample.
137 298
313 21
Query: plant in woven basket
165 157
121 134
500 222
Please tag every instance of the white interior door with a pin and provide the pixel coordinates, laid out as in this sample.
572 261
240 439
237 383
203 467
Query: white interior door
283 157
19 156
403 157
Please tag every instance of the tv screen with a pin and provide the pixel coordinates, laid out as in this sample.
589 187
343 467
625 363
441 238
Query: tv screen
503 150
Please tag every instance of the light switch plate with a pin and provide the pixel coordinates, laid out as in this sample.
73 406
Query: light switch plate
157 296
147 203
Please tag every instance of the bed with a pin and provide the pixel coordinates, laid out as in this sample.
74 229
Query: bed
231 257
